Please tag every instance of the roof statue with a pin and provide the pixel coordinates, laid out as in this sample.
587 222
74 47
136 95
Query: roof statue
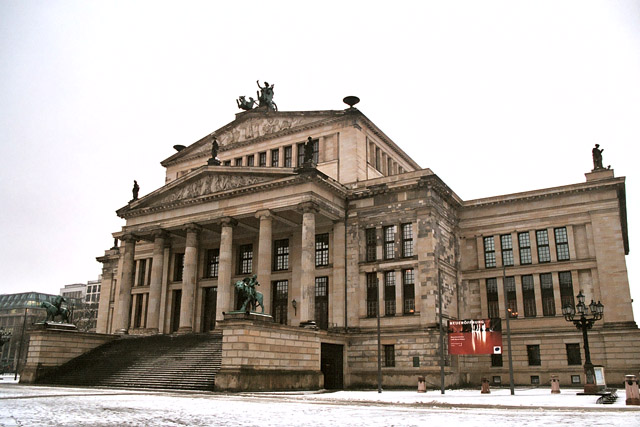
265 99
596 153
245 104
135 190
213 161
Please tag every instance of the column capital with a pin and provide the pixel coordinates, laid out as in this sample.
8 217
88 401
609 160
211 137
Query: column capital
265 213
192 228
309 207
160 233
129 237
228 221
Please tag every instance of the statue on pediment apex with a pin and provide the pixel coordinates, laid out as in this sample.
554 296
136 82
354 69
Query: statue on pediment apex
135 190
596 153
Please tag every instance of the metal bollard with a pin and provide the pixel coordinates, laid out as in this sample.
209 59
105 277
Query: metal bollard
555 384
422 385
485 386
631 388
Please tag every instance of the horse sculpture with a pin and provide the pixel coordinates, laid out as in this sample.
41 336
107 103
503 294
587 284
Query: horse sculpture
55 309
248 294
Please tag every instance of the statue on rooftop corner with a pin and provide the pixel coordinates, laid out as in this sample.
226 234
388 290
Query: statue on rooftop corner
597 157
248 294
214 152
265 96
245 104
135 190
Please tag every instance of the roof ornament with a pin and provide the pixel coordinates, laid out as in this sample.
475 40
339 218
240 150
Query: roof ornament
213 161
596 153
265 99
351 100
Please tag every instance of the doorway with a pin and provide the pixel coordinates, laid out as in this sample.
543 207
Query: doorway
331 360
209 312
175 310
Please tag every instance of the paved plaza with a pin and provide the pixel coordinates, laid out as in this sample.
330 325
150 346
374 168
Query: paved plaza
66 406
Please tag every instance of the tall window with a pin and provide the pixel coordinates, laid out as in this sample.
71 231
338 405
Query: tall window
507 249
300 147
280 301
275 157
281 255
142 270
512 303
524 243
227 163
489 252
322 302
213 261
288 156
316 150
533 354
238 161
546 291
389 356
370 237
372 294
262 159
178 267
251 160
566 288
389 293
378 159
492 298
322 249
573 354
407 239
562 243
245 259
408 292
496 360
528 296
389 241
542 239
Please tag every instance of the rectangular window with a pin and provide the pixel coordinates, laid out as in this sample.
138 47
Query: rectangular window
378 160
496 360
288 156
300 147
575 379
389 356
213 261
408 292
546 292
389 166
251 160
316 150
562 243
407 239
389 293
245 259
535 379
142 270
322 249
280 301
281 255
489 252
497 380
492 298
322 302
528 296
507 250
227 163
275 157
512 303
524 243
370 237
533 354
542 240
178 267
238 161
573 354
566 289
262 159
389 241
372 294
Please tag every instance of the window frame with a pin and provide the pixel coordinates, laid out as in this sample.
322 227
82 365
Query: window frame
389 244
372 294
542 244
275 157
524 246
370 244
533 355
489 245
321 302
389 355
288 156
212 264
245 258
262 159
322 250
281 255
574 357
507 252
547 295
408 292
493 304
562 243
528 295
406 236
390 293
178 266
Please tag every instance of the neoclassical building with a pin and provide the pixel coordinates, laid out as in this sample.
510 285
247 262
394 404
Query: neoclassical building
362 226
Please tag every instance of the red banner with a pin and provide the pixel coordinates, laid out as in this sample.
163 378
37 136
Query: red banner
483 336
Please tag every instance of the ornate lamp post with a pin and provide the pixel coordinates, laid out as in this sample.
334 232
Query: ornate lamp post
587 316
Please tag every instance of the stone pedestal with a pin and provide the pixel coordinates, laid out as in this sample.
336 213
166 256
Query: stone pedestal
631 389
555 384
485 386
422 385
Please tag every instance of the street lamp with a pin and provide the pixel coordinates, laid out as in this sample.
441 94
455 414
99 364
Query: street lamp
587 316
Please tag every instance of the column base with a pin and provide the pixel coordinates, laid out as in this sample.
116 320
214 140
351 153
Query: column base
184 330
121 332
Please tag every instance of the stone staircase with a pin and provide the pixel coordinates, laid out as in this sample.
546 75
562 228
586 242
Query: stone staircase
185 362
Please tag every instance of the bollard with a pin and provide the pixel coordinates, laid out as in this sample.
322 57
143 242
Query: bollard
631 388
485 386
422 385
555 384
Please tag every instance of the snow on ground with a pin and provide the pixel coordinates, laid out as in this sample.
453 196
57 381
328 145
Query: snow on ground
22 405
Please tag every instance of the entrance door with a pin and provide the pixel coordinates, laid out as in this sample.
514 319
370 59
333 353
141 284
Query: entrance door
175 310
209 312
331 359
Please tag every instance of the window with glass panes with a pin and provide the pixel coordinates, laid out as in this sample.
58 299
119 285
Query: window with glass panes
524 244
372 294
489 252
542 240
227 163
322 249
389 241
389 356
496 360
300 156
408 291
288 156
281 255
546 292
370 238
562 243
262 159
322 302
389 293
251 160
407 239
275 157
280 301
573 354
528 296
492 298
566 288
533 355
512 303
245 259
178 267
507 250
238 161
213 261
142 264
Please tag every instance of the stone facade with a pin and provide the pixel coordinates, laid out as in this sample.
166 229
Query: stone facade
361 229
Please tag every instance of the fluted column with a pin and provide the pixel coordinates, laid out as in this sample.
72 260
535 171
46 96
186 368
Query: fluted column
307 264
224 268
121 324
155 282
265 251
189 276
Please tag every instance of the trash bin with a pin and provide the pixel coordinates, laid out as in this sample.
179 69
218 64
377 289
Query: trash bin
631 388
422 385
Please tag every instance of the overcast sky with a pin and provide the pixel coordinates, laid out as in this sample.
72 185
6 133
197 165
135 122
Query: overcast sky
495 97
